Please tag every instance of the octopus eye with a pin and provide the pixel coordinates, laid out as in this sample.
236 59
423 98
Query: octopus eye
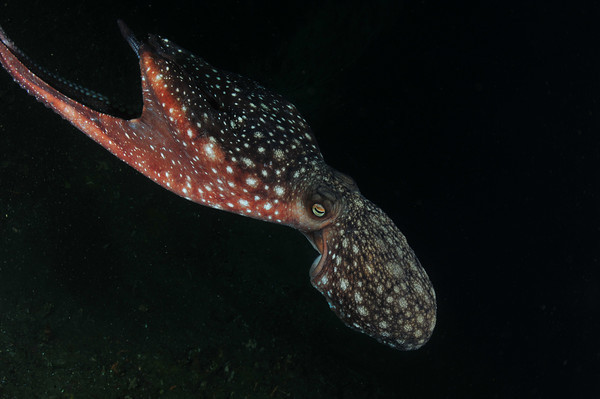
318 210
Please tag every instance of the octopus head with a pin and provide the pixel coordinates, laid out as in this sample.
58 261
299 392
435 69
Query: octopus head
367 272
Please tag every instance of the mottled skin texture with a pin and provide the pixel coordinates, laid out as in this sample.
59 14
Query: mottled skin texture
224 141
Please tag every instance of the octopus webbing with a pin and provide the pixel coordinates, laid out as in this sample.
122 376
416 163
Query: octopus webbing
224 141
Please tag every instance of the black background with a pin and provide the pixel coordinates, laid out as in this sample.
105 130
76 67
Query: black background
475 127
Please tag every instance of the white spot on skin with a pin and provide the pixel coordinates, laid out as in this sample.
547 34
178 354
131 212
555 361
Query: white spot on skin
343 284
248 162
394 269
403 303
419 288
362 311
208 149
358 297
251 181
279 190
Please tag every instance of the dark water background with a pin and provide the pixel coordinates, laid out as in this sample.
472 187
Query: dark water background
475 127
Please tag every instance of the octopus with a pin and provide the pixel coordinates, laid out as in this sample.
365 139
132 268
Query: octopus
224 141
